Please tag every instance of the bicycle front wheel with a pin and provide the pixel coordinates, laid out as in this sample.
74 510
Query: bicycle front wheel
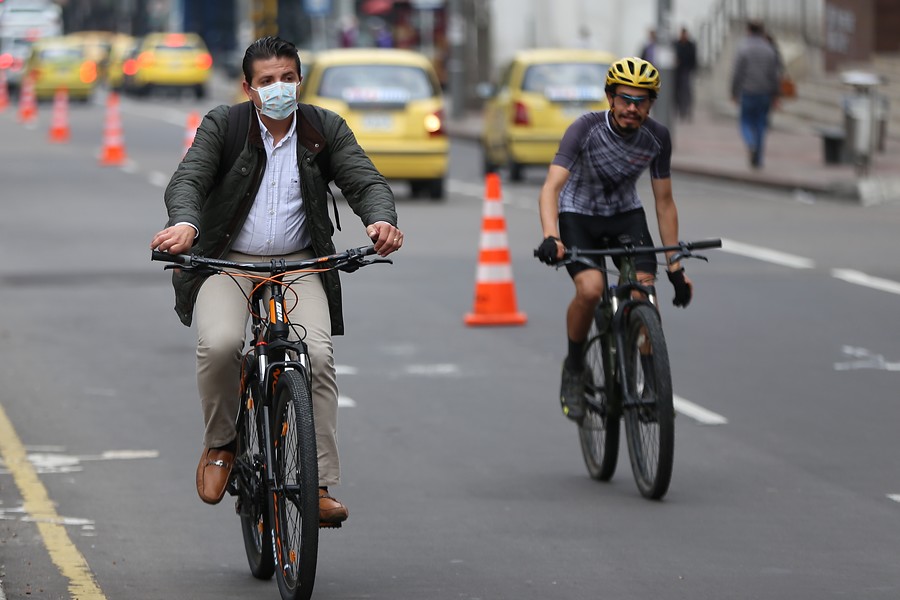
598 431
249 481
648 412
295 498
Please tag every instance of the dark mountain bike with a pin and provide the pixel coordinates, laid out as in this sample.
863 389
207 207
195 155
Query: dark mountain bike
275 476
628 374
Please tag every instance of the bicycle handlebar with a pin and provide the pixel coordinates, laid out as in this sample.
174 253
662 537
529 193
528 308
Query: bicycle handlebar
684 250
348 259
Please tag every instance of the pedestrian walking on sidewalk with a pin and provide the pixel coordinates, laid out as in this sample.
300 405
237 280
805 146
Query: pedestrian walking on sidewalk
685 65
754 87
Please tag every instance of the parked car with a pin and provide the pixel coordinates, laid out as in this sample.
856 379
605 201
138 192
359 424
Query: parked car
179 61
393 102
59 62
541 91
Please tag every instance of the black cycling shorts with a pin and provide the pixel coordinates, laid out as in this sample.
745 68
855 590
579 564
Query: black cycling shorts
590 232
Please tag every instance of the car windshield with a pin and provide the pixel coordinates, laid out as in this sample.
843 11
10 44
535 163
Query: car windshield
377 84
566 81
59 55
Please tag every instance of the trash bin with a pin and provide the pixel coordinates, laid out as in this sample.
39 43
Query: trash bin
833 145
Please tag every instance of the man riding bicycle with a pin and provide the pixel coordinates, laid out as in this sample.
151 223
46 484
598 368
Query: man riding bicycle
589 199
270 204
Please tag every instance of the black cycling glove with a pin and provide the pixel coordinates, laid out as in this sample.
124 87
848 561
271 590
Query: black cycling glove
547 251
682 289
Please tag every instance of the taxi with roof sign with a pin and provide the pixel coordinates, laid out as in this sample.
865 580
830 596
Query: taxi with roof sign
540 93
169 61
392 100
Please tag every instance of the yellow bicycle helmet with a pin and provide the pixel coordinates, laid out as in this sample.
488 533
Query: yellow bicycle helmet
634 72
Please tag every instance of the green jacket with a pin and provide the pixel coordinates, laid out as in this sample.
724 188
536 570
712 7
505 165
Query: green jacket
218 206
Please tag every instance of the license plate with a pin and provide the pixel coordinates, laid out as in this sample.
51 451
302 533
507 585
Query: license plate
377 122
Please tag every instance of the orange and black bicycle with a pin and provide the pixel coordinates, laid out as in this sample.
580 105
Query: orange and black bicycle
275 476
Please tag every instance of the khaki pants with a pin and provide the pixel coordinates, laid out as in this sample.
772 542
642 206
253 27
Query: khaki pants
221 314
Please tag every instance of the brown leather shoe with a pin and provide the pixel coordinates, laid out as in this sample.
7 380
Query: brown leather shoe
213 473
331 511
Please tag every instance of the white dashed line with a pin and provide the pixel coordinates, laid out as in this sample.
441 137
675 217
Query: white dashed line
345 402
860 278
767 255
894 497
158 179
698 413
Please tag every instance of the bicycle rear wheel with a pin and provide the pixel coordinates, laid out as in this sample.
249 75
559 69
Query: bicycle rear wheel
598 431
650 419
250 484
295 499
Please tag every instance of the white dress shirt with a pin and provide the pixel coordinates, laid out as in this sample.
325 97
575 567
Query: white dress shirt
276 224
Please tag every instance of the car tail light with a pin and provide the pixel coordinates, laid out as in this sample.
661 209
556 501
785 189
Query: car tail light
175 40
520 114
434 123
35 74
130 67
6 61
145 59
88 72
204 61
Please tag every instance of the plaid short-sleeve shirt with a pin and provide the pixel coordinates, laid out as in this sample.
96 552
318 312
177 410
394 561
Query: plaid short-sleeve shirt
605 166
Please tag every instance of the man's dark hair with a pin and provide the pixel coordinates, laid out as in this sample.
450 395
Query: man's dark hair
265 48
755 27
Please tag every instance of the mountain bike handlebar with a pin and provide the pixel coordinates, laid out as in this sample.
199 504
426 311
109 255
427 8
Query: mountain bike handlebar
348 261
684 250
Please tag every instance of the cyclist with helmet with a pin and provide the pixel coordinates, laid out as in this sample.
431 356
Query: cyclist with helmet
589 197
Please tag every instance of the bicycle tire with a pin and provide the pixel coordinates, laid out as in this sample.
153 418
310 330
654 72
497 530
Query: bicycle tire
250 481
598 431
294 502
650 424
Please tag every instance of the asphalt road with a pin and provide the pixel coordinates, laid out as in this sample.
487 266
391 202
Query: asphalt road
463 479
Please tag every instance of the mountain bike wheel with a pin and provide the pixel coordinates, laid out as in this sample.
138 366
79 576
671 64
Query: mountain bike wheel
295 499
598 431
249 480
650 422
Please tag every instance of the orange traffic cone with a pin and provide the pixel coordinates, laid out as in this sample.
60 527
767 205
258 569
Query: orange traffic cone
27 101
193 122
113 152
495 294
59 125
4 91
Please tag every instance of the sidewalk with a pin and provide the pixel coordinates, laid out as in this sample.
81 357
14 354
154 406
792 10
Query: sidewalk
711 145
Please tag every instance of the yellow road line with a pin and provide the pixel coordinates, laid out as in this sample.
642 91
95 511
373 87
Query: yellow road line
63 553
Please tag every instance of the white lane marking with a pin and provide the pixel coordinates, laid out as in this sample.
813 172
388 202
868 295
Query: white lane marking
19 514
439 370
345 402
864 359
55 461
860 278
698 413
894 497
158 179
767 255
464 188
345 370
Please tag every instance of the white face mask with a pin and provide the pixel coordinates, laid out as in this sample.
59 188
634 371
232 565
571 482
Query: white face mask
279 100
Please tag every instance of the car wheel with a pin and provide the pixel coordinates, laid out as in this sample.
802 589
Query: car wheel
436 189
200 92
488 165
516 171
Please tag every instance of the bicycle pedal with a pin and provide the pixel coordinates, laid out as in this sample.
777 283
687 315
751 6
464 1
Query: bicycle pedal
324 525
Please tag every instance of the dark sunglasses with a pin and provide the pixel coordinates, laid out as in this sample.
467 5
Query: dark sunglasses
636 100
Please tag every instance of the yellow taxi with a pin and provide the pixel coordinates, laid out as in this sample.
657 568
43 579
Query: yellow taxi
393 102
170 61
540 93
58 62
123 45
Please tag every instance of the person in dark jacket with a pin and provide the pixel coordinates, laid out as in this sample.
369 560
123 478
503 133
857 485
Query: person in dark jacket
754 86
271 203
685 65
